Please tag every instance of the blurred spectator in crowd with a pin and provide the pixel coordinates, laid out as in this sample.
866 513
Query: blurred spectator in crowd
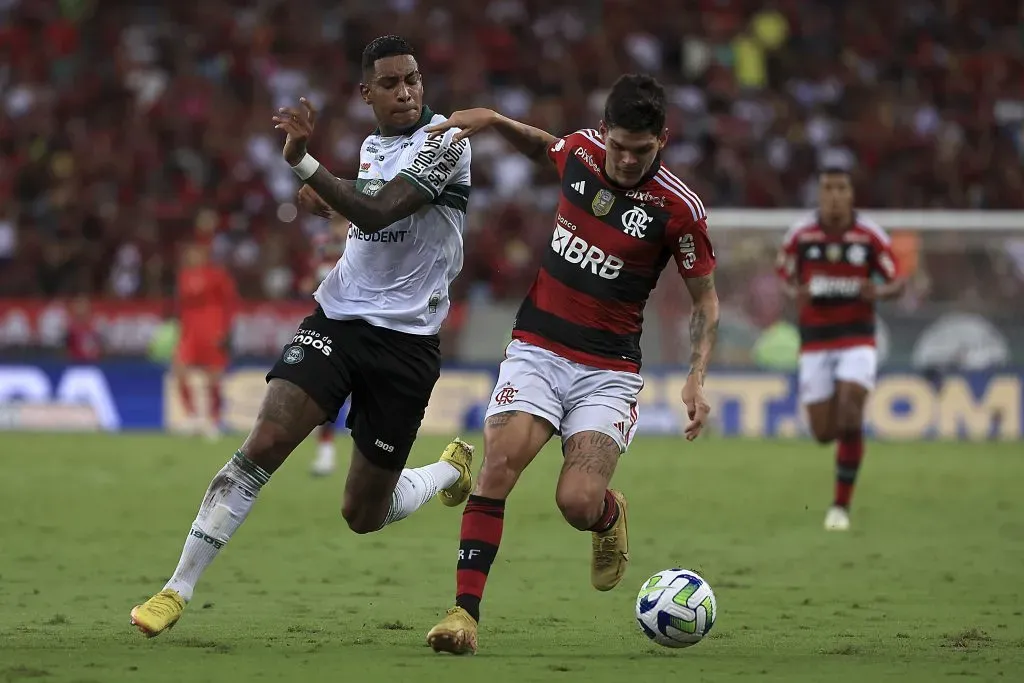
83 341
128 127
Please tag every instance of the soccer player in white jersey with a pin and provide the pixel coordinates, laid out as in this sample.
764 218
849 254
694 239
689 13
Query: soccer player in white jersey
373 334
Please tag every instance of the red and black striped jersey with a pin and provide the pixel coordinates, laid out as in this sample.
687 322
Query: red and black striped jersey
833 267
608 248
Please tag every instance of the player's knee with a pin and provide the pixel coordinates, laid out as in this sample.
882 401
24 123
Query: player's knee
360 518
824 435
268 444
851 425
497 476
579 506
500 470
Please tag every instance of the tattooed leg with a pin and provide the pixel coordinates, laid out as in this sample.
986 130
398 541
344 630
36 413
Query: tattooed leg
590 460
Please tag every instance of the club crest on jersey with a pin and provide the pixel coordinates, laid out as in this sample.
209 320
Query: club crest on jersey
857 254
602 203
834 252
635 222
293 354
505 395
372 187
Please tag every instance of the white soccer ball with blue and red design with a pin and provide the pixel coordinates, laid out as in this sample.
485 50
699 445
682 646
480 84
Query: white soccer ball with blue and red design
676 608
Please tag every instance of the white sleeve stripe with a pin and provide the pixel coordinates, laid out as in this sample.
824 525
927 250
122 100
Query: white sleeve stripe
797 228
681 186
697 215
593 138
875 229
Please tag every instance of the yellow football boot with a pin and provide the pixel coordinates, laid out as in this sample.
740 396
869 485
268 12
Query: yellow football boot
159 613
460 455
455 634
610 551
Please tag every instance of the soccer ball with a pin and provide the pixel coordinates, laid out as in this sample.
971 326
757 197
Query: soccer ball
676 608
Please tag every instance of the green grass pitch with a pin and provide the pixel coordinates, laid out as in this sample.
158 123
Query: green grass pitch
928 586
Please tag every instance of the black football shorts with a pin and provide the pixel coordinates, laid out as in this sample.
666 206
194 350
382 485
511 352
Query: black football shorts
389 375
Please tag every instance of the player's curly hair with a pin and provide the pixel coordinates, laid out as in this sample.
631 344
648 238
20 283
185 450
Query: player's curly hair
384 46
636 103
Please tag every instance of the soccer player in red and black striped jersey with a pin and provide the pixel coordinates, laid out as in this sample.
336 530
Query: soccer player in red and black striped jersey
837 264
572 366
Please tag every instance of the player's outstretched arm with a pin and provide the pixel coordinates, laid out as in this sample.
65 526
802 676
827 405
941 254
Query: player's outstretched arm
311 202
703 323
870 291
529 141
395 201
703 334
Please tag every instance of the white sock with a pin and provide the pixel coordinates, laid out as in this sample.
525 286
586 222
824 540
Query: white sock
226 505
325 452
416 486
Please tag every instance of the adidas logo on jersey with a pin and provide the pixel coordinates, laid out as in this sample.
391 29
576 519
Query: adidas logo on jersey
580 186
578 251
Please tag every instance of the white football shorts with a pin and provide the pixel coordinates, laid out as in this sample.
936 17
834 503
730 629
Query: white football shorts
573 397
820 370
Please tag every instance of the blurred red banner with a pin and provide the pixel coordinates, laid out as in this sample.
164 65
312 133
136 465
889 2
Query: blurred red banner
126 326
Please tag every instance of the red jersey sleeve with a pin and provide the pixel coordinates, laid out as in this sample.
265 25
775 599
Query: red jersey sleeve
691 246
562 148
884 260
785 261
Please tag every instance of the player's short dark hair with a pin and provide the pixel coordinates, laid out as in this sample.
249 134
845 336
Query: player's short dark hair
384 46
836 170
636 103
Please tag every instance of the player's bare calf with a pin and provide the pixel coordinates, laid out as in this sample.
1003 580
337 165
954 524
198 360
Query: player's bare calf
588 504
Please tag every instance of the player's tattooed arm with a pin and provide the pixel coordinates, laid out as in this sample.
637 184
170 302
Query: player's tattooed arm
311 202
395 201
703 323
528 141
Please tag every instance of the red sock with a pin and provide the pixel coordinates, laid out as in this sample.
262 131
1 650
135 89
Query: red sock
849 453
216 401
185 391
610 514
482 521
326 433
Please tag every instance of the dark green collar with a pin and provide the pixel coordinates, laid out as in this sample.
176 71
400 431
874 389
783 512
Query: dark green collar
425 115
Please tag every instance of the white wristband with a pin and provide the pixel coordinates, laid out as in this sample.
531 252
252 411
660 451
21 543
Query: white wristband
306 168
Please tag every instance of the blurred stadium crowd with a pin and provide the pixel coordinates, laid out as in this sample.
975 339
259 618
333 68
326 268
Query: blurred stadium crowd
126 128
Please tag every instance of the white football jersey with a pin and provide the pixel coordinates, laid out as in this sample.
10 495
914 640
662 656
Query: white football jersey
398 278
